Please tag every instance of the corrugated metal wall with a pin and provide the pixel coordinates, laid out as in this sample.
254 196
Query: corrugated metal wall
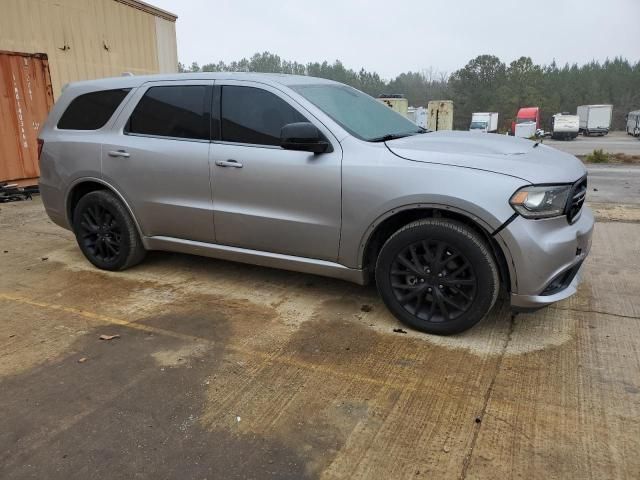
82 39
25 100
87 39
166 45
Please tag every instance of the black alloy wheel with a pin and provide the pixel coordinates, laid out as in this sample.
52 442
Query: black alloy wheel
100 233
433 281
105 231
438 275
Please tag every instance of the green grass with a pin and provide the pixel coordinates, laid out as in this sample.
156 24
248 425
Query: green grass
598 156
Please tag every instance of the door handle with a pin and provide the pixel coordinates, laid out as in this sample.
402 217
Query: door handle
229 163
118 153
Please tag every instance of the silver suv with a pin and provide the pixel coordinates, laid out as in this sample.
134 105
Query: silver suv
311 175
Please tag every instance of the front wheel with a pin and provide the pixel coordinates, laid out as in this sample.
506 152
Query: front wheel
106 233
438 276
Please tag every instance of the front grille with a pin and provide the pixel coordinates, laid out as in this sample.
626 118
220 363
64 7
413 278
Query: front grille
578 196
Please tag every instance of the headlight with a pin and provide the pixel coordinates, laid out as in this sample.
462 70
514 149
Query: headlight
541 202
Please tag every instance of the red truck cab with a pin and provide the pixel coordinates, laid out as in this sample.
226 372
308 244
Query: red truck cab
526 114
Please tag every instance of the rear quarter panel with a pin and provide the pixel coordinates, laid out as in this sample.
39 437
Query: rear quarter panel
69 156
62 163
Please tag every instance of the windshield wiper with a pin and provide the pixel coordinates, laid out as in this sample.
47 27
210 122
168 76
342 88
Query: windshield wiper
394 136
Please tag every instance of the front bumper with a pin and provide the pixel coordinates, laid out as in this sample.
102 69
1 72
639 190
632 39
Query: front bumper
525 303
543 251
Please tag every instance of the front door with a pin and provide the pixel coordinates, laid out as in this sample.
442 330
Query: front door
157 157
266 198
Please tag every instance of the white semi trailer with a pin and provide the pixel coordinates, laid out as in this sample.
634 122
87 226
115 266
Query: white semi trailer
595 119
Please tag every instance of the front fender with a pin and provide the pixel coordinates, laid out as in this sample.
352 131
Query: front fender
382 184
480 220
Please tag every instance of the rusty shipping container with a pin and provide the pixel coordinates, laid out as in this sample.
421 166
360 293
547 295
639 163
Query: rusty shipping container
49 43
26 97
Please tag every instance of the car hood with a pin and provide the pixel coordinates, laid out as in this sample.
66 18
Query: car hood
512 156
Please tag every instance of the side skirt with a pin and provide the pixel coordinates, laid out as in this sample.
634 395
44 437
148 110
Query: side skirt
256 257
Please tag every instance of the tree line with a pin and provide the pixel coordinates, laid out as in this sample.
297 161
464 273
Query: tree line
484 84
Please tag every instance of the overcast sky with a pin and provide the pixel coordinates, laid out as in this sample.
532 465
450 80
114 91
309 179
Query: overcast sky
391 37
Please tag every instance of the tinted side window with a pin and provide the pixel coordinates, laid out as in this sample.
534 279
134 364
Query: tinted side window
180 111
91 111
253 115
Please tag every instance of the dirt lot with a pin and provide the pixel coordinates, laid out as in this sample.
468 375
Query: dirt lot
231 371
614 142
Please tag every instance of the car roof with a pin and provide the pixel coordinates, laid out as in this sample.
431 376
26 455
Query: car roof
132 81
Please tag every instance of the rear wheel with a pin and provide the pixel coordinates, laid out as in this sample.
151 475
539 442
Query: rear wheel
106 233
437 276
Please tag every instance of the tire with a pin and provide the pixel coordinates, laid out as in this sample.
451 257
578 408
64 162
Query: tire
106 233
459 284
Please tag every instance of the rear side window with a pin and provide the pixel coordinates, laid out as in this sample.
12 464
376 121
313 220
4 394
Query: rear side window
253 115
180 111
91 111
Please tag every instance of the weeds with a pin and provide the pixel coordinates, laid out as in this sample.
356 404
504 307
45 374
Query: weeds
598 156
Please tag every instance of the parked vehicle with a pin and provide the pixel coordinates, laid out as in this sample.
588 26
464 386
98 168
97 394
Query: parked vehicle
595 119
565 126
311 175
418 115
633 123
526 130
486 122
526 115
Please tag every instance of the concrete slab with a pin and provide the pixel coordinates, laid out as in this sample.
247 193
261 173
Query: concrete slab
231 371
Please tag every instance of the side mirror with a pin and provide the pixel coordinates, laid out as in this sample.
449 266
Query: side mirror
303 136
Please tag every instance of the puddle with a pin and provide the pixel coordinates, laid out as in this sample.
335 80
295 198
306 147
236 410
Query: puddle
297 298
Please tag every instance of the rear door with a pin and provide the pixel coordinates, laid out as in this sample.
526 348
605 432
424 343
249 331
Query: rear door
267 198
157 156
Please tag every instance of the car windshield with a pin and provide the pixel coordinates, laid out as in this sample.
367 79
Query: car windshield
525 120
476 125
358 113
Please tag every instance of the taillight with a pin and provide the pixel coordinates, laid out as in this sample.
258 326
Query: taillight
40 145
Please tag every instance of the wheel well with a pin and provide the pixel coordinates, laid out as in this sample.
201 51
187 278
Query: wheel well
394 223
80 191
